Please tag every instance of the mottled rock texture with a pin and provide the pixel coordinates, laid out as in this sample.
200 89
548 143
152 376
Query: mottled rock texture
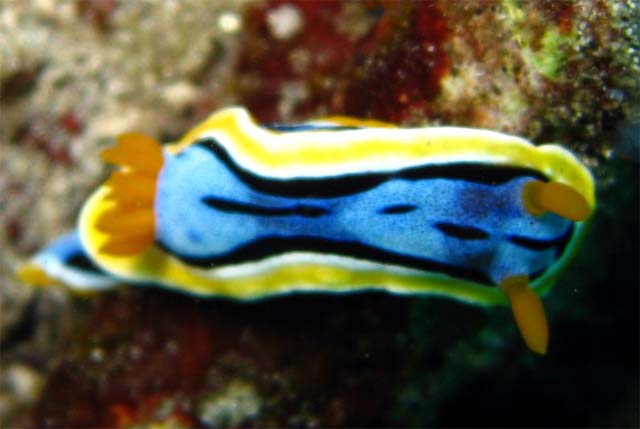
75 73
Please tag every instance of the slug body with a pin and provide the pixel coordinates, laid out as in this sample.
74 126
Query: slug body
246 211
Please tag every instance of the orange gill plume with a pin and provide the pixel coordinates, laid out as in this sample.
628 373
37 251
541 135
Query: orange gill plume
130 222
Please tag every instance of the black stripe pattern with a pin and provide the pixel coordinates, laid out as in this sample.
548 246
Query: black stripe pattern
462 232
80 261
349 184
398 209
540 245
231 206
289 128
273 245
304 199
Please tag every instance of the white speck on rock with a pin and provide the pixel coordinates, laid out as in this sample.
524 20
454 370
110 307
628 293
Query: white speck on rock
234 405
292 93
24 381
284 22
180 94
229 22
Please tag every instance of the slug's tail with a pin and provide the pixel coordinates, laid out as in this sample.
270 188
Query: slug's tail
65 262
130 223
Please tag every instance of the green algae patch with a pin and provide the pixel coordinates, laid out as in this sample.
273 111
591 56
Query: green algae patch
546 52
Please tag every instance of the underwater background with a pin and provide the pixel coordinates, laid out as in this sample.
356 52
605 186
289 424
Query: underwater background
74 74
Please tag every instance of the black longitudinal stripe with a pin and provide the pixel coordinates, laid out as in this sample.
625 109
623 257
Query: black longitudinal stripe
531 243
462 232
350 184
273 245
81 261
558 243
398 209
307 127
231 206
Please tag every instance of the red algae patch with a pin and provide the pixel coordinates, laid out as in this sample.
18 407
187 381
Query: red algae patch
398 71
284 73
145 357
387 66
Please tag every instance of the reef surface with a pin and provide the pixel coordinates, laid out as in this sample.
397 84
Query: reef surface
74 74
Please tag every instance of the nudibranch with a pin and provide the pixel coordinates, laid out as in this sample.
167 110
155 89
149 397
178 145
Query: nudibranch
245 211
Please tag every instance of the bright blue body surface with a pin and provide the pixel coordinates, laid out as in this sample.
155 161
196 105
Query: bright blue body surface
210 214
